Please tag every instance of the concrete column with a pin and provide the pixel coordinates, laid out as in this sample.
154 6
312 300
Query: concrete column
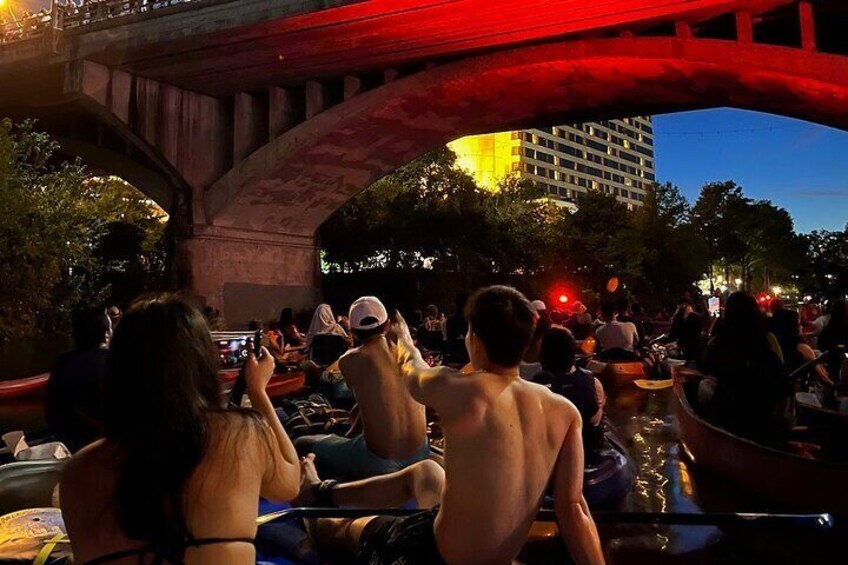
316 98
249 275
282 114
744 27
808 25
250 126
683 30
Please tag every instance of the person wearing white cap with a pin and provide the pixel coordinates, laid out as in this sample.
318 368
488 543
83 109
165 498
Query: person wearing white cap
394 426
541 310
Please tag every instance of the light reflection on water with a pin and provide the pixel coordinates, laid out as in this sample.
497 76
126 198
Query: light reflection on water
644 420
667 482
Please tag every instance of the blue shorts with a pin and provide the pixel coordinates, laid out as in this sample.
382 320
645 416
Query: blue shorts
350 458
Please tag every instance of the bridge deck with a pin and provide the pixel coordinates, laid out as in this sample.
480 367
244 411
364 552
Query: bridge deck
220 47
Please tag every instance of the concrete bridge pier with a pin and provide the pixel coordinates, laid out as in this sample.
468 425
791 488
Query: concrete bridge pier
249 275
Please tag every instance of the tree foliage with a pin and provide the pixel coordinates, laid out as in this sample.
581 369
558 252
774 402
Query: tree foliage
752 240
56 223
826 270
429 213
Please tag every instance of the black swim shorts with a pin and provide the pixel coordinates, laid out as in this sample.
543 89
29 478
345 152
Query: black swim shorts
396 540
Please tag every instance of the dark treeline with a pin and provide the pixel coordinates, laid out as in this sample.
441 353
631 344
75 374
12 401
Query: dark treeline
427 231
68 238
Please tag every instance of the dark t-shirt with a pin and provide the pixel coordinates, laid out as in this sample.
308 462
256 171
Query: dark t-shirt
456 327
784 325
753 395
686 331
74 397
579 388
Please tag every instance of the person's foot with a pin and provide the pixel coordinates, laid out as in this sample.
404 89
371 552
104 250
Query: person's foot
309 480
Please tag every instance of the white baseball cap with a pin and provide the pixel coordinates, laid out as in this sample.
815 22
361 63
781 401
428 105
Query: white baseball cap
538 305
367 313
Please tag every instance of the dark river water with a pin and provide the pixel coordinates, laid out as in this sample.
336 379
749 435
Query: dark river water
665 482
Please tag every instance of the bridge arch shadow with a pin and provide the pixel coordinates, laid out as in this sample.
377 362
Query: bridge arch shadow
292 184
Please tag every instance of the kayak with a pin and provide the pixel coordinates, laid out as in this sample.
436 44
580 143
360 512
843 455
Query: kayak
282 384
615 374
814 414
801 483
23 387
607 480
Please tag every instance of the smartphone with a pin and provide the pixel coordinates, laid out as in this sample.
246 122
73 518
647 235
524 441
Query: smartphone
234 347
257 343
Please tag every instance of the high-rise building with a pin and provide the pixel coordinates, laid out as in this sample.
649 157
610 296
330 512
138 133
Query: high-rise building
612 156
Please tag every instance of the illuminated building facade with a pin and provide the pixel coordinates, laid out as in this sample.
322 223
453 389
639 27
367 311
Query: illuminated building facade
611 156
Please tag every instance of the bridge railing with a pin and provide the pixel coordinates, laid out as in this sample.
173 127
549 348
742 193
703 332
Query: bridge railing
70 15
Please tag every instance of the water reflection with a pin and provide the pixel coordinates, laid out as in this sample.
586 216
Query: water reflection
667 482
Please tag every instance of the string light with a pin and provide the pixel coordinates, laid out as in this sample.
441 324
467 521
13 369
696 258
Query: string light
728 131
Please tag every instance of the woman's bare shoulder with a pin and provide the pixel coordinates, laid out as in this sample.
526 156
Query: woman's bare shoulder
238 428
91 469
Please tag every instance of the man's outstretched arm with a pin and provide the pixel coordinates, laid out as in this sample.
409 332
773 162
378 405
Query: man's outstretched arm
575 522
428 385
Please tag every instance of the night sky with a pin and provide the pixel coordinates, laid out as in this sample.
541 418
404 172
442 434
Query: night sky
799 166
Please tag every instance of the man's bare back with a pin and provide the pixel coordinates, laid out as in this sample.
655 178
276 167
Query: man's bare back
506 439
499 458
394 424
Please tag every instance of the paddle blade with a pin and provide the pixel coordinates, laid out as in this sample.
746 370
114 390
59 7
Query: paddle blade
646 384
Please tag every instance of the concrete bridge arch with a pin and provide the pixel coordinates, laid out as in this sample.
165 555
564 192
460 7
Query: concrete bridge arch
253 164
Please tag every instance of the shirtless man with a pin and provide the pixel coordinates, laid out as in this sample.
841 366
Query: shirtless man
394 426
506 439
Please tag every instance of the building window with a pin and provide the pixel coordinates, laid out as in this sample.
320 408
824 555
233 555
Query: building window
596 145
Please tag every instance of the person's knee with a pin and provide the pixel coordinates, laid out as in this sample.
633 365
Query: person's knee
427 477
305 445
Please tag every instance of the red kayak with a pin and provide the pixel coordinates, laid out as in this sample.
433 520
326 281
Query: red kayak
282 384
23 387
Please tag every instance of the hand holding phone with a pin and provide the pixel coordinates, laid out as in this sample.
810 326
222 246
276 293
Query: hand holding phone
258 370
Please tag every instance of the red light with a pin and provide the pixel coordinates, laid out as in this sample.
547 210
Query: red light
563 299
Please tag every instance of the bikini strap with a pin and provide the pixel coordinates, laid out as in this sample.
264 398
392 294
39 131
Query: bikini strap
141 552
211 541
158 558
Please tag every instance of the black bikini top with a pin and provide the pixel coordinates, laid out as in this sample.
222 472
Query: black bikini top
158 559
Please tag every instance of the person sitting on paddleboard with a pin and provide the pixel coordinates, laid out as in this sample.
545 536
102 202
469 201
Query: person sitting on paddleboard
74 407
177 478
577 385
394 425
507 440
617 340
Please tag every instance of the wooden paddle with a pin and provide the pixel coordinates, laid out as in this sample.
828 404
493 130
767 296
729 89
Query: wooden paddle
811 522
647 384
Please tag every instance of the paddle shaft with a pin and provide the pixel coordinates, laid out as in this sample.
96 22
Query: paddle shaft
809 522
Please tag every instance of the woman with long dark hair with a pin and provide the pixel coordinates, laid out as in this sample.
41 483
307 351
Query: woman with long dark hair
753 396
177 478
